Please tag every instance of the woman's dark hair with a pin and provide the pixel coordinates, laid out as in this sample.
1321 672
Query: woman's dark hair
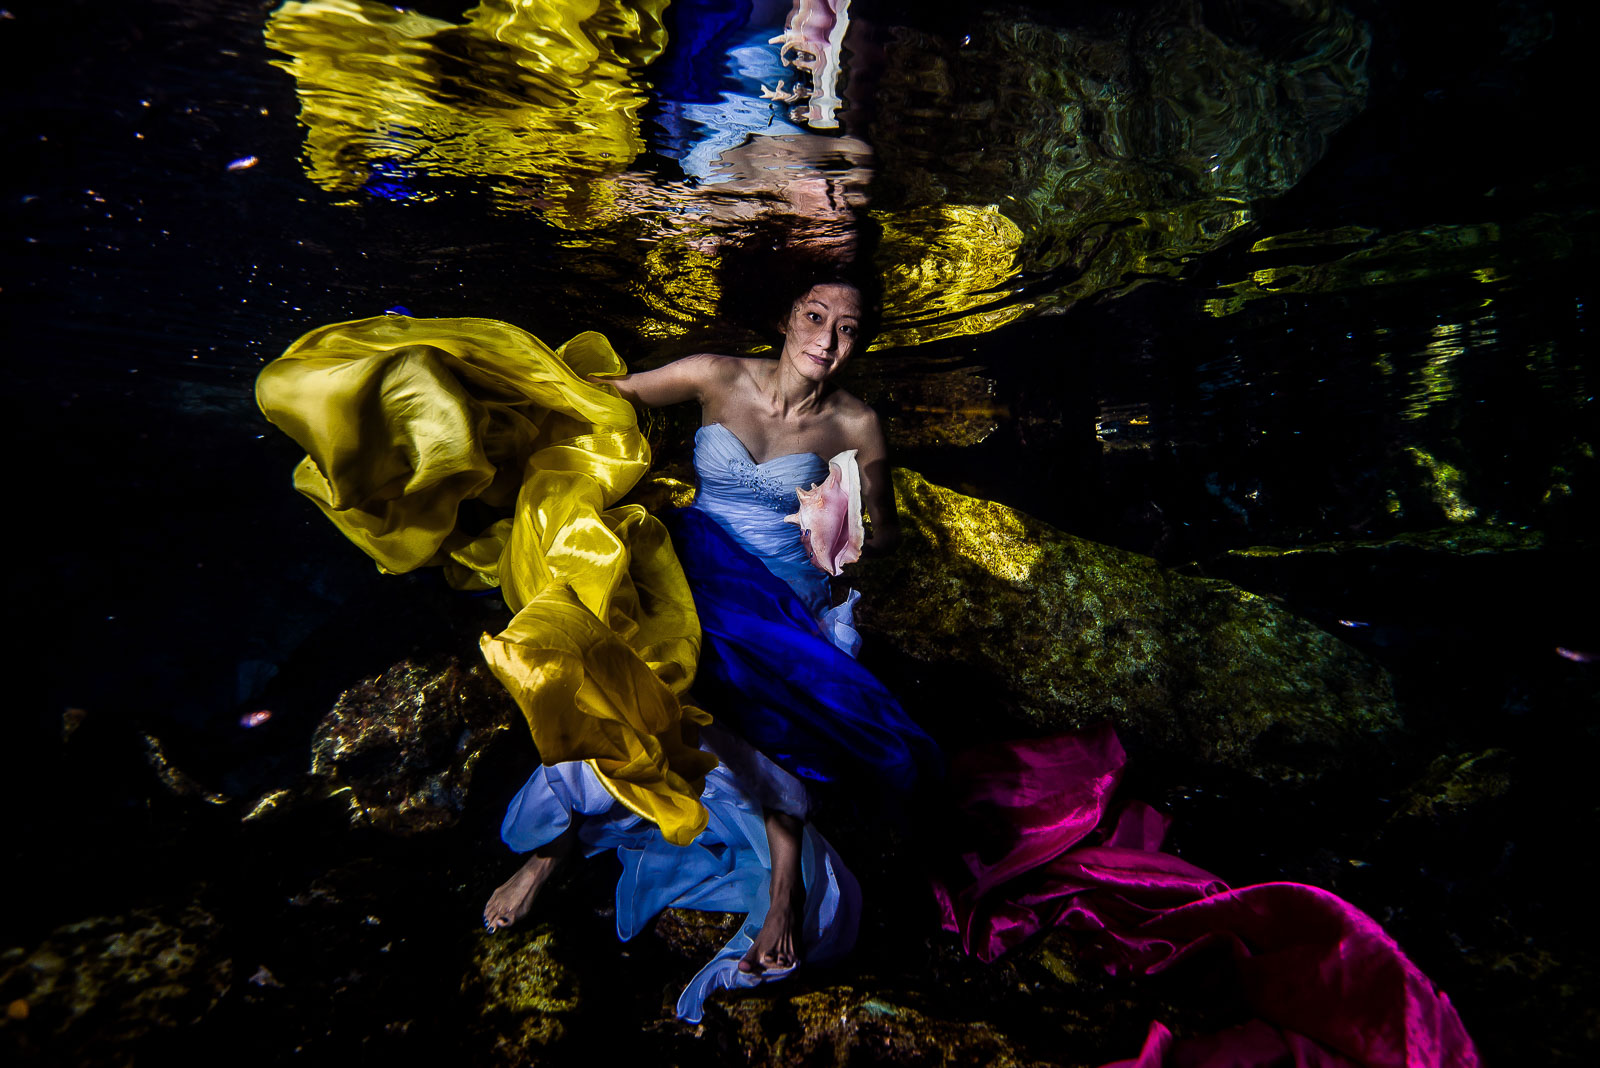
773 266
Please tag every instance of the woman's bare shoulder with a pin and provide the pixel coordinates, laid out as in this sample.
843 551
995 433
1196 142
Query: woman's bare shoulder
725 370
858 421
854 412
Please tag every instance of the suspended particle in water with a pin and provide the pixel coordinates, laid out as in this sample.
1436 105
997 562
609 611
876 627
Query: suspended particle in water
243 163
254 719
264 978
1577 656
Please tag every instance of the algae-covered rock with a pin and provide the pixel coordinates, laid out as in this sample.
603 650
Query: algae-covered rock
1464 540
524 996
1273 566
92 987
404 746
1066 632
1448 585
694 935
1457 781
840 1025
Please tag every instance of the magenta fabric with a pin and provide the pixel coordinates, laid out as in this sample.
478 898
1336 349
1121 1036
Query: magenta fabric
1334 988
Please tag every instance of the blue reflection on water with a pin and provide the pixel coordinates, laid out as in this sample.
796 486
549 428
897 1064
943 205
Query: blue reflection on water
709 84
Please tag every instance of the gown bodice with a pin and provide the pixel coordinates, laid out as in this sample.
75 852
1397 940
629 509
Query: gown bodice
749 501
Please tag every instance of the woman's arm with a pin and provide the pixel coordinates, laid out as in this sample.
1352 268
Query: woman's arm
690 378
877 486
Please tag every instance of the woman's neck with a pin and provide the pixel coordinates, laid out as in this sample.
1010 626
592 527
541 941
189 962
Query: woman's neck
790 393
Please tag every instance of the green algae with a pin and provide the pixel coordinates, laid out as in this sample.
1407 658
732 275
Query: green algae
1455 781
401 748
1069 632
93 987
523 994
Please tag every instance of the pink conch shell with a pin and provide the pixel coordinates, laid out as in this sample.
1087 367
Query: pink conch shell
830 515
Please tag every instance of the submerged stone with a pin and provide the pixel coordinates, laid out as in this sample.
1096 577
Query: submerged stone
1463 540
1457 781
404 746
841 1025
1065 632
92 987
695 935
1449 587
524 997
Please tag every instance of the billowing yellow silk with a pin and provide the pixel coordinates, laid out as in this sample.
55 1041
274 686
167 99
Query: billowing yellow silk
404 419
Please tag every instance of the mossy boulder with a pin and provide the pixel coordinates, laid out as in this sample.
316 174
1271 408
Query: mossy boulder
1062 632
91 988
403 748
840 1025
1456 781
524 996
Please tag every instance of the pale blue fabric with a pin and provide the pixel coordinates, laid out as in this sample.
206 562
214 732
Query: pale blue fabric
727 867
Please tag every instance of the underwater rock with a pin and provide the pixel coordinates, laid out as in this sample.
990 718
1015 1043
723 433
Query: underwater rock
179 782
923 1001
840 1025
1415 583
405 745
1066 632
93 987
524 996
1464 540
1456 781
694 935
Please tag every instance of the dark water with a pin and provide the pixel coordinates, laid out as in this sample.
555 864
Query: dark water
1229 275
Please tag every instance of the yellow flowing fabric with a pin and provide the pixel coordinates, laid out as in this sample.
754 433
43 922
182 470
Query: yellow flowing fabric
404 419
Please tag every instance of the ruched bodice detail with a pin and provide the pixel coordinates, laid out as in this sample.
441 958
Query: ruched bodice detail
730 477
749 501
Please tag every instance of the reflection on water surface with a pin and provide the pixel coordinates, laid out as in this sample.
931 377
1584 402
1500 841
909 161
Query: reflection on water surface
1292 295
1028 165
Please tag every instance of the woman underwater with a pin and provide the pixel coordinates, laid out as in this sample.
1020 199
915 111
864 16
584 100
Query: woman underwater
767 424
407 420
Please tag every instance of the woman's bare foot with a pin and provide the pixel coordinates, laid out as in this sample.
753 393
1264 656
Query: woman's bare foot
514 897
775 947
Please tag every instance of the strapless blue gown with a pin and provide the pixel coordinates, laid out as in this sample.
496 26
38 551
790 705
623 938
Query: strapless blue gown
777 663
777 670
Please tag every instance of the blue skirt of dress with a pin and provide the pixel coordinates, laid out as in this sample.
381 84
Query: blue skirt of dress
769 674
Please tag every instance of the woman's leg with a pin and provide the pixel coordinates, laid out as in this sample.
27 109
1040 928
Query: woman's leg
777 946
514 898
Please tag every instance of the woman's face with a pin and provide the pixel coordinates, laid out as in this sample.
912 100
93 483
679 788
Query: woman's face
821 331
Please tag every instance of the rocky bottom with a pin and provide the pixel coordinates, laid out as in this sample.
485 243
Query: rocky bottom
176 909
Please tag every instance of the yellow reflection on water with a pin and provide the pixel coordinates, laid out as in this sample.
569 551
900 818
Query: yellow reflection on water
946 269
537 103
540 90
1436 381
1412 255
